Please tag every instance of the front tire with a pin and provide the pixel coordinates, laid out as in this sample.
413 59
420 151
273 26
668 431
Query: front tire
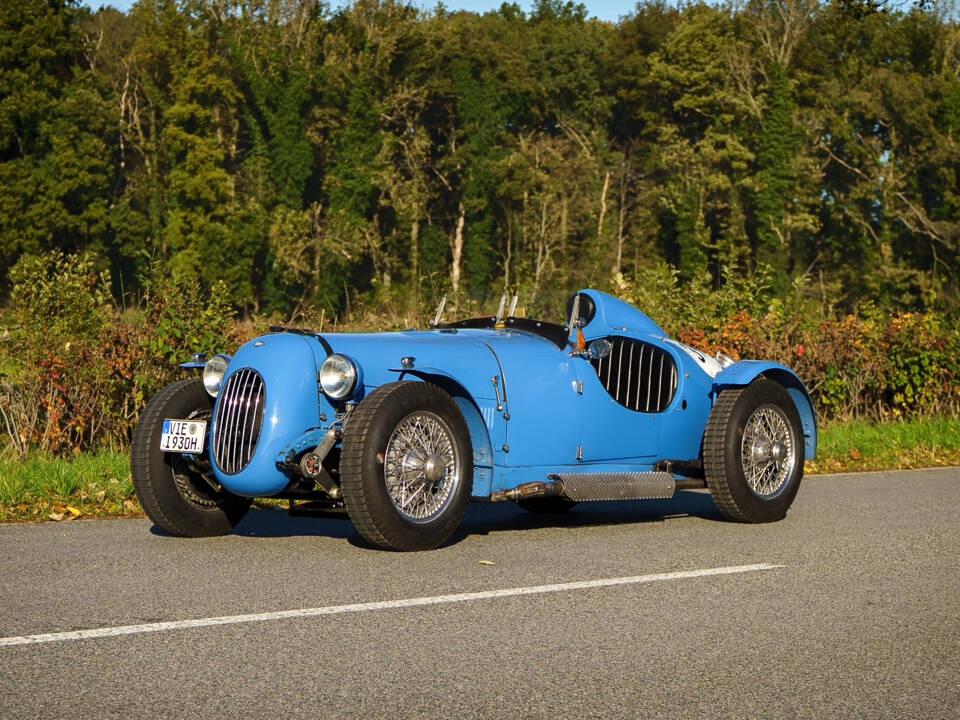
753 452
173 493
406 466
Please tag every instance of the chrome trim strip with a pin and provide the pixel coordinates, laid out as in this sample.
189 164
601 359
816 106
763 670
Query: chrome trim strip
660 403
238 420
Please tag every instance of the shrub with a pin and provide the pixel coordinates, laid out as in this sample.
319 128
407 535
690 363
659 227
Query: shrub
77 369
869 364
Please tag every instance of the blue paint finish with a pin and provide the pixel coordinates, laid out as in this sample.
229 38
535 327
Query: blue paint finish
611 431
309 439
286 363
552 406
461 355
745 371
614 314
540 397
681 430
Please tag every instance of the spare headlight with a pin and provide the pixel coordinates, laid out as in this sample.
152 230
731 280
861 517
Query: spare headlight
213 373
338 376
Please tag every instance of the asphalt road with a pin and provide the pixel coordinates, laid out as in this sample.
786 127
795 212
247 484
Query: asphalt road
861 620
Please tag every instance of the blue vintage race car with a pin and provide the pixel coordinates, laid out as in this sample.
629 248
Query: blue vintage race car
401 429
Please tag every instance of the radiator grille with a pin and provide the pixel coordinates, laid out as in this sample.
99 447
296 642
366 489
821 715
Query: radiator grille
638 375
239 416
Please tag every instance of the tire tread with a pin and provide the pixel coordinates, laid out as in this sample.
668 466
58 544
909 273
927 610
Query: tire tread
714 450
141 472
351 464
370 523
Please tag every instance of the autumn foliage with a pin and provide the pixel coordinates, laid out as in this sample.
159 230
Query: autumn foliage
77 368
868 364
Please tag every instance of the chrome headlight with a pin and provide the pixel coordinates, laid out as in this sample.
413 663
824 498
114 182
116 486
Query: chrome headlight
213 373
338 376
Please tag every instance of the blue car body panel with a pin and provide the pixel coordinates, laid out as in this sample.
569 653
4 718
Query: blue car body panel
532 408
746 371
287 364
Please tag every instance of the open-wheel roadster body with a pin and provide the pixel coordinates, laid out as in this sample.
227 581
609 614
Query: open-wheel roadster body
401 429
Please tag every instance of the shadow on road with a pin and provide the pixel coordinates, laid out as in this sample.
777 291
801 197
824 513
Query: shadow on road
486 518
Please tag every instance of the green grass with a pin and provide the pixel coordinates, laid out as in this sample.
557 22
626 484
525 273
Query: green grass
40 486
859 445
98 484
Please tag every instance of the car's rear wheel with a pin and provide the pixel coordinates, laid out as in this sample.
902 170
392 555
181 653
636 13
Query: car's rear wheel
753 452
406 466
171 487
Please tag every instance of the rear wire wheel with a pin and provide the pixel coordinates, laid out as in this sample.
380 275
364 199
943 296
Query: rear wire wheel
406 467
753 452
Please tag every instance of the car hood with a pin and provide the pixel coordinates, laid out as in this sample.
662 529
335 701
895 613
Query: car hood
472 357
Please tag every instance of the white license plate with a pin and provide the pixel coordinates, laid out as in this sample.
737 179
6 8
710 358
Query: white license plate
183 436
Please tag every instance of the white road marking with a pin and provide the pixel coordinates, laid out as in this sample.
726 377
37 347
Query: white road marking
372 606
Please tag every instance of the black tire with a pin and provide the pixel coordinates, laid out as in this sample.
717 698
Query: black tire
730 441
550 505
370 452
173 495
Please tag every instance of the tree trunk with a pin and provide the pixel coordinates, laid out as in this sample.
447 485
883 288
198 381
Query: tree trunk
621 217
603 207
415 257
456 249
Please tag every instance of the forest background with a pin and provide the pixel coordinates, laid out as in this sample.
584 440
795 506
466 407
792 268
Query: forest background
776 179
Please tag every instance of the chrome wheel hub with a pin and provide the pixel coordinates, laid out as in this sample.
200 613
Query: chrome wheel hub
768 451
421 466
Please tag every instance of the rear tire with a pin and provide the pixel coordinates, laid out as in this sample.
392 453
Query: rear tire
406 466
173 494
753 452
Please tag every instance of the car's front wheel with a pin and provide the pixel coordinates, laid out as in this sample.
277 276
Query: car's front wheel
406 466
171 487
753 452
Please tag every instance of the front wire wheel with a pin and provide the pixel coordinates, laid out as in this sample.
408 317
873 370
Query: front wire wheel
421 467
768 451
753 452
405 466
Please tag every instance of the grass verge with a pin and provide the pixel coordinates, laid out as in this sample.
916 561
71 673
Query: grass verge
91 484
857 446
98 484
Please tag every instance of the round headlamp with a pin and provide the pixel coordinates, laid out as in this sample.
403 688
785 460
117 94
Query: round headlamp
338 376
213 373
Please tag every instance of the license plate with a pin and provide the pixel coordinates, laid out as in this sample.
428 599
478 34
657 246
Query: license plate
183 436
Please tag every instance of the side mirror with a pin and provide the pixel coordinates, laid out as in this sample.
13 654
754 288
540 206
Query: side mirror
599 349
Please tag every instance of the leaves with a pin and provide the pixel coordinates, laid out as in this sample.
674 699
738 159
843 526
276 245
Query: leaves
743 171
300 154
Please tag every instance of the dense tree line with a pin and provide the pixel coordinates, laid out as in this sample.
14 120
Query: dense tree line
300 153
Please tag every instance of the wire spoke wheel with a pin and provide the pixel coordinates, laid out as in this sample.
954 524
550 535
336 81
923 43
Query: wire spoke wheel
421 466
768 451
405 466
753 452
